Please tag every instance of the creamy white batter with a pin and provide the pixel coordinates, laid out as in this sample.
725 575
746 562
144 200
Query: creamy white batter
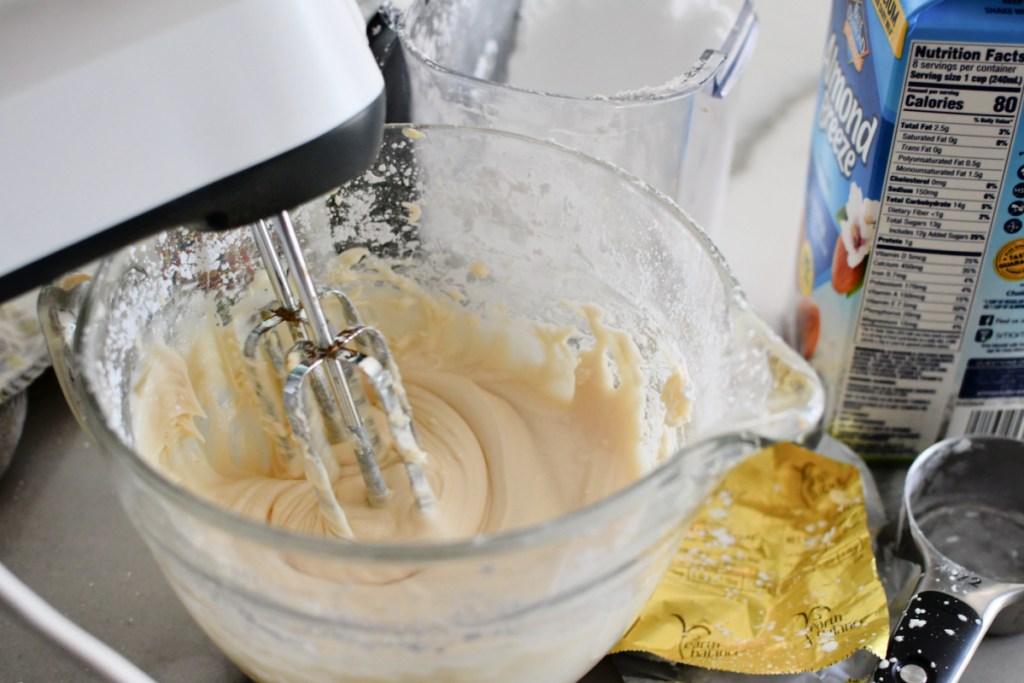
519 426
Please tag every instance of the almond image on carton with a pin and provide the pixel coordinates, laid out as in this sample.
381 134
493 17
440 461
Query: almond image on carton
857 221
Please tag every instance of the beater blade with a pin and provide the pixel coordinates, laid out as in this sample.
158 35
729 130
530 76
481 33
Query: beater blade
287 310
335 367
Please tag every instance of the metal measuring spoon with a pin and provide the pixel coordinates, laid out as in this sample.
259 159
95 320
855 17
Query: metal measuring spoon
963 506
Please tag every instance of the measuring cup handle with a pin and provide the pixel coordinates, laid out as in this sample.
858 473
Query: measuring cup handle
933 642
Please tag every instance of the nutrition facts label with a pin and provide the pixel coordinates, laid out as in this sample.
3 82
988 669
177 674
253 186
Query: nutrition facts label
950 149
952 144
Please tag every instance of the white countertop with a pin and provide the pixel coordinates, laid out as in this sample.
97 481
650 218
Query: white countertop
775 101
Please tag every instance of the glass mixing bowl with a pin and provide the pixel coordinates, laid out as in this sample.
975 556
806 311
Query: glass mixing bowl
540 603
674 127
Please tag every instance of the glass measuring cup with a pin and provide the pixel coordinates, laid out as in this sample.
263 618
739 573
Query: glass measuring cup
543 602
673 127
963 513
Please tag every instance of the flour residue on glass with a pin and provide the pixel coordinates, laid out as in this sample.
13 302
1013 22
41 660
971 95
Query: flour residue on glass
590 48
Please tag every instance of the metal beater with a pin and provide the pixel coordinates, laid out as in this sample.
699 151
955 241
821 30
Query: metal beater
333 367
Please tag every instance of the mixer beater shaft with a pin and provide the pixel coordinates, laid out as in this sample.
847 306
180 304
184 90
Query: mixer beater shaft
340 380
285 309
332 364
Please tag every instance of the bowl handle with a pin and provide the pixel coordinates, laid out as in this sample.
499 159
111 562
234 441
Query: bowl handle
58 307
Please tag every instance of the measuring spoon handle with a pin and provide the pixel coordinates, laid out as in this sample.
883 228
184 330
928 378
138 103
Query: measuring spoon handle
934 641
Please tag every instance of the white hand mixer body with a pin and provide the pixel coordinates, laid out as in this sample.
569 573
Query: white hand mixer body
125 119
119 119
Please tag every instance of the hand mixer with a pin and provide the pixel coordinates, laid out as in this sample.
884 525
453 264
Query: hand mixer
119 119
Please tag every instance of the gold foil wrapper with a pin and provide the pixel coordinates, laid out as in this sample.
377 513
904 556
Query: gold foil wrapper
775 576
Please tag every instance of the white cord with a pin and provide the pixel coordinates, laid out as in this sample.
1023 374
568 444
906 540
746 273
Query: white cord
40 615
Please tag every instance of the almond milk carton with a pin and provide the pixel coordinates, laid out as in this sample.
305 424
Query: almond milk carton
911 261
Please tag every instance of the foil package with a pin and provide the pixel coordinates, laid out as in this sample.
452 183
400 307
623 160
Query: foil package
777 575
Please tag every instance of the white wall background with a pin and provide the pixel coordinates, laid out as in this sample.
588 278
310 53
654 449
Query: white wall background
764 199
